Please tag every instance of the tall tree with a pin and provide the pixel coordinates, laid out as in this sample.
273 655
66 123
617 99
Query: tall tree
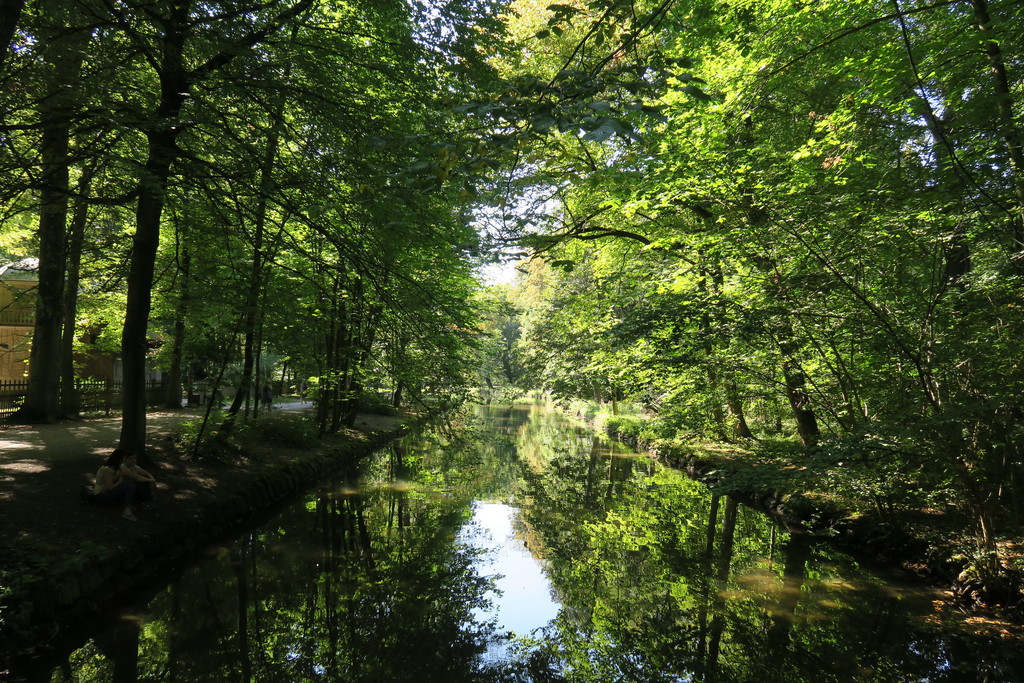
184 26
10 15
63 40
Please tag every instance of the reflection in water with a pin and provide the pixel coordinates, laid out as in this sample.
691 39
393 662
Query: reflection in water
525 548
521 597
523 601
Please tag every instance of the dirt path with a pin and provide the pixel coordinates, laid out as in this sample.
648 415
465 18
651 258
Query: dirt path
43 468
34 446
29 448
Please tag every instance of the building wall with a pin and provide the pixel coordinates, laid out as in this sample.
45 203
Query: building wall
15 343
97 365
17 313
17 319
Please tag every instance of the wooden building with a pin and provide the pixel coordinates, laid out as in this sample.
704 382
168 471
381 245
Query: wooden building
18 283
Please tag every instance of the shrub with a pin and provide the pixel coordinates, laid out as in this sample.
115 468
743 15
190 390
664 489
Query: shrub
188 433
296 431
372 403
620 425
587 410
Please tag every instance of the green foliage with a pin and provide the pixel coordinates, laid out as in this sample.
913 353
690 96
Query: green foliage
808 252
295 431
198 436
586 410
373 403
309 193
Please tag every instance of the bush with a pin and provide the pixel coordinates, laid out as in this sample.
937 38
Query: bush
297 431
372 403
587 410
188 433
621 425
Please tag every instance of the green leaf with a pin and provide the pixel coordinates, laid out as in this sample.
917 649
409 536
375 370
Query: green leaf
697 94
600 134
543 122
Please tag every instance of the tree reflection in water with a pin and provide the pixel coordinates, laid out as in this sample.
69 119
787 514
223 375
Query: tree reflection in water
372 577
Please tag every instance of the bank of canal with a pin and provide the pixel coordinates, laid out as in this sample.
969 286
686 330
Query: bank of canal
518 546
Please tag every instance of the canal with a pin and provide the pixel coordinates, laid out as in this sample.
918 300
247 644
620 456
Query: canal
514 545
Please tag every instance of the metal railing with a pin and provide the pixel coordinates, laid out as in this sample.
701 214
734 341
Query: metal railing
94 396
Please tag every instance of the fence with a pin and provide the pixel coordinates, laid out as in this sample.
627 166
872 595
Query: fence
17 316
94 396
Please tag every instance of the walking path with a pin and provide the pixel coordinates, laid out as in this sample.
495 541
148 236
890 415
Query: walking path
27 448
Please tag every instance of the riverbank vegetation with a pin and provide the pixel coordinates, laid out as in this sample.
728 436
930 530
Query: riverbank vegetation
796 228
809 243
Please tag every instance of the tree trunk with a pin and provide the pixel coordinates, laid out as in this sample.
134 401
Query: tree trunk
360 347
740 430
799 401
327 357
794 378
63 59
70 399
253 300
135 337
10 15
174 383
152 191
1006 122
342 360
712 393
175 83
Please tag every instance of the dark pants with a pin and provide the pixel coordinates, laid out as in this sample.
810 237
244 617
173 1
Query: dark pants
126 493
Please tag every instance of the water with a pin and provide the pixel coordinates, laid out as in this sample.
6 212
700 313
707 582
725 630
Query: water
521 547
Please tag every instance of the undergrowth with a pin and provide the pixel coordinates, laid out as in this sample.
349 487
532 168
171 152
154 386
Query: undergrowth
297 431
207 443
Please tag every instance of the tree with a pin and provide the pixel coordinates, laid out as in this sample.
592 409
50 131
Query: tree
829 211
61 57
184 26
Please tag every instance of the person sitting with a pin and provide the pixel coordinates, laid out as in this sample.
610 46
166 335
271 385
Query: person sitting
113 487
144 481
